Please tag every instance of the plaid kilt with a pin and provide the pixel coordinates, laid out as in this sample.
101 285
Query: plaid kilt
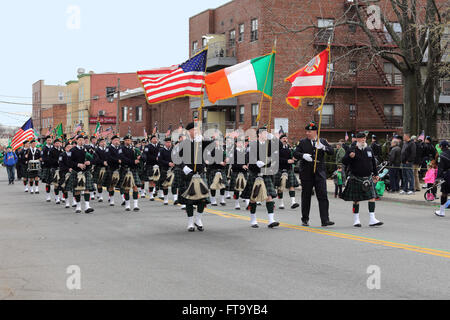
354 190
178 179
62 178
142 173
47 175
211 173
24 171
72 183
123 172
268 181
233 178
163 175
186 180
33 174
291 181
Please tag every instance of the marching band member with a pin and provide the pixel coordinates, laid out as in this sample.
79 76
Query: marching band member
23 164
100 163
33 155
90 152
65 171
285 177
178 173
129 178
54 155
150 155
165 164
112 172
239 172
47 165
81 176
260 179
216 173
360 186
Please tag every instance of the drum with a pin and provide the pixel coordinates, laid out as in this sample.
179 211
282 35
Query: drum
34 165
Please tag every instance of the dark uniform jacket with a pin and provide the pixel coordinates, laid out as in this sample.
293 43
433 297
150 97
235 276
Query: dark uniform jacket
363 164
65 162
444 165
36 155
150 154
219 152
127 156
53 158
100 156
164 158
307 168
238 160
188 145
285 155
21 156
113 157
78 156
254 156
46 163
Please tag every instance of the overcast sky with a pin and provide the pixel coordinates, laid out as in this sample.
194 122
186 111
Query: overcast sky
46 40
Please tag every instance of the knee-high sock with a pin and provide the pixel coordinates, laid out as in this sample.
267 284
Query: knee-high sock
135 195
270 205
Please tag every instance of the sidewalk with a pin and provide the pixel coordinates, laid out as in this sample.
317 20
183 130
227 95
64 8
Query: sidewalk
416 198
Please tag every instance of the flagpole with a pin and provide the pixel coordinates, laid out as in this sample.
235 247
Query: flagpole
323 101
258 118
200 109
274 50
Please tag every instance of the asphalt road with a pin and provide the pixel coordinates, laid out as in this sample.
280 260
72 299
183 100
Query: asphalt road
150 255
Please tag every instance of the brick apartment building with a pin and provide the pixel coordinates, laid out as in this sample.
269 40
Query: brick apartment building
53 116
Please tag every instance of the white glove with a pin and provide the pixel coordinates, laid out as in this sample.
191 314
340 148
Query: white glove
260 164
269 136
198 139
320 146
307 157
187 170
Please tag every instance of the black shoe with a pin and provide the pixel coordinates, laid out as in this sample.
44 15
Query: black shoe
48 200
123 203
78 211
255 226
223 204
376 224
192 229
175 202
281 208
127 209
183 208
305 223
136 209
37 192
214 205
357 225
273 225
100 200
152 199
166 203
89 210
200 228
328 223
295 205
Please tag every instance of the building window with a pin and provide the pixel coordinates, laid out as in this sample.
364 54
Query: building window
232 40
352 67
204 42
61 96
232 115
393 75
325 30
327 117
394 114
397 29
194 47
205 115
124 114
241 32
81 94
254 30
138 113
110 93
352 111
255 111
241 114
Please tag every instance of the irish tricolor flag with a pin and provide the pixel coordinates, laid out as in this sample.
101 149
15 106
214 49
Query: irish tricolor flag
309 81
254 75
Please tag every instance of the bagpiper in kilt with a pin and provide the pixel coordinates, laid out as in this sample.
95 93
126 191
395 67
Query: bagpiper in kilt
238 163
33 155
90 156
23 164
65 182
216 164
81 176
178 172
150 156
260 167
165 164
100 167
109 181
52 159
286 168
47 165
141 168
129 178
191 151
360 161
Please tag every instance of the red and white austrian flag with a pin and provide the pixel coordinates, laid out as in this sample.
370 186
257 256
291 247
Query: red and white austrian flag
309 81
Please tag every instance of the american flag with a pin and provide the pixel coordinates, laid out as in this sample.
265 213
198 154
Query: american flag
183 80
346 135
107 131
77 128
422 136
25 133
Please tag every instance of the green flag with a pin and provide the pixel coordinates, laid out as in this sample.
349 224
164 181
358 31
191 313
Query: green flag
97 129
59 131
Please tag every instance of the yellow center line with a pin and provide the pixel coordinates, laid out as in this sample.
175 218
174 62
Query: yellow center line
434 252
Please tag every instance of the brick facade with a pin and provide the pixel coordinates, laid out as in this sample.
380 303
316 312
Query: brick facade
365 89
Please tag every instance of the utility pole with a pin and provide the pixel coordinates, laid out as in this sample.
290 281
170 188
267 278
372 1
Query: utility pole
118 107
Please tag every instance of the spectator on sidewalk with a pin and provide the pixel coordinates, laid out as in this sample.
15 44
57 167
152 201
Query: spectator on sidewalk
408 156
340 153
417 162
431 176
10 164
395 160
339 178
